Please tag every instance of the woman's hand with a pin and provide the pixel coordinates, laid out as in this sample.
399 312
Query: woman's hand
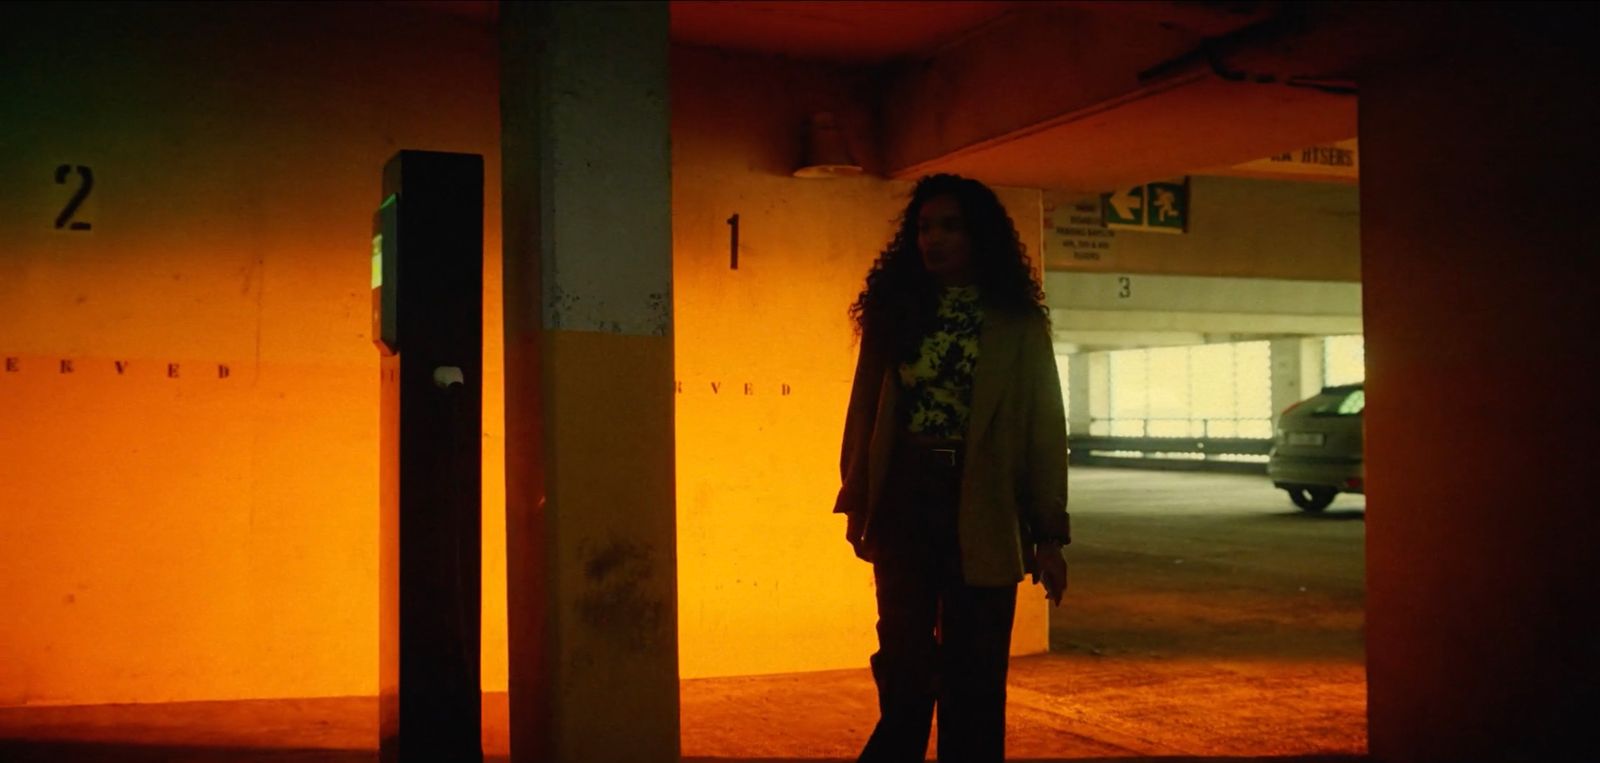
853 532
1052 570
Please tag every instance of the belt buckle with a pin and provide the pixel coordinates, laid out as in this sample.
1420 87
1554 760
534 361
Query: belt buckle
945 456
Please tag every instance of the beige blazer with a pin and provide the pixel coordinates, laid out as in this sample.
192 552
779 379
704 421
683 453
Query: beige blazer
1014 481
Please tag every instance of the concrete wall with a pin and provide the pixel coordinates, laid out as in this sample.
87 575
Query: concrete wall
202 537
1260 259
1101 311
224 528
765 356
1238 227
1477 252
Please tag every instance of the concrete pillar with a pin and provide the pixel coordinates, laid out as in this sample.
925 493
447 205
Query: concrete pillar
1098 389
1077 387
591 543
1478 244
1296 364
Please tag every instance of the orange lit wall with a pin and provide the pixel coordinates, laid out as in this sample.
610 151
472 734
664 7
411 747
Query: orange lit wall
764 359
180 534
202 537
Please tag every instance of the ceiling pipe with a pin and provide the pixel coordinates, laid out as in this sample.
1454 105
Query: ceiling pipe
1213 52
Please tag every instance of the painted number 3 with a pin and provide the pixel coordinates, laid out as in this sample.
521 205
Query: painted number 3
1124 287
64 220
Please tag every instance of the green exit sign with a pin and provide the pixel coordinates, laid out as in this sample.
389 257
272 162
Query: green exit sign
1162 207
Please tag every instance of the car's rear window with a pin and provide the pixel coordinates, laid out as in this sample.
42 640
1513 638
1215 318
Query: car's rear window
1344 403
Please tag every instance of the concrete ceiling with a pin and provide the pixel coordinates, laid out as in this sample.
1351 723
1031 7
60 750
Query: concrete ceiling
1089 97
877 32
1086 95
1192 127
970 65
841 32
837 31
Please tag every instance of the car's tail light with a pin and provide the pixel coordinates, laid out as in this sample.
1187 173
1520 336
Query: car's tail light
1354 483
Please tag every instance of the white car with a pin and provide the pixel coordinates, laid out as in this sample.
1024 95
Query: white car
1317 451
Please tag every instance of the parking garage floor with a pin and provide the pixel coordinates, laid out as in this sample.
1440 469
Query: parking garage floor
1207 619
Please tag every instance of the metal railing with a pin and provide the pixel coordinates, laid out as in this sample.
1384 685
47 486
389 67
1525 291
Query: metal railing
1227 454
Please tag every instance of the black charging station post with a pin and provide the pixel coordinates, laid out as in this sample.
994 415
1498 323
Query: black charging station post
427 320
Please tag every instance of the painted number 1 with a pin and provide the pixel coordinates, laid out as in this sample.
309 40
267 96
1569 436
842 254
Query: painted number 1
86 184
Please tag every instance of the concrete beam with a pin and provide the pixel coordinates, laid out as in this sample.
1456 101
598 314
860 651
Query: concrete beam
1053 97
1170 294
1202 323
1100 341
1026 68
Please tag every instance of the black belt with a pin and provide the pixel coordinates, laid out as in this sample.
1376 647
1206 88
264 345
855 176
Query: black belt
947 455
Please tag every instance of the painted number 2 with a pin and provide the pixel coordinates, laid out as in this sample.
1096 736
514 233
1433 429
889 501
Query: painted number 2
86 184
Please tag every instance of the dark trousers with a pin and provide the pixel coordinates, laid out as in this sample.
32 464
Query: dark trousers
940 642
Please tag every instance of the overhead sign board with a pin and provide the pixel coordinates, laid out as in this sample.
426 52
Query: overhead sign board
1339 161
1075 234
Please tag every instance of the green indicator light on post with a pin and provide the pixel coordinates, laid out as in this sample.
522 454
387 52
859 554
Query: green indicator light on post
377 259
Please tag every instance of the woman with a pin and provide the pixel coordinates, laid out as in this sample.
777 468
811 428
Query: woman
954 466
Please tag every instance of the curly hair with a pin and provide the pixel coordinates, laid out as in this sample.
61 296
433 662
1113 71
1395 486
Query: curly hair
901 297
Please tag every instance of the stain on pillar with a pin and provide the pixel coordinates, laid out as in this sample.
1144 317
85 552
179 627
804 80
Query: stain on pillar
618 602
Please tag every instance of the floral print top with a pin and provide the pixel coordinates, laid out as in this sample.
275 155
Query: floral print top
939 379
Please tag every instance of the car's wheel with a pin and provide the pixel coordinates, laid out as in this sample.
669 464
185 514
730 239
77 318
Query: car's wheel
1311 498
